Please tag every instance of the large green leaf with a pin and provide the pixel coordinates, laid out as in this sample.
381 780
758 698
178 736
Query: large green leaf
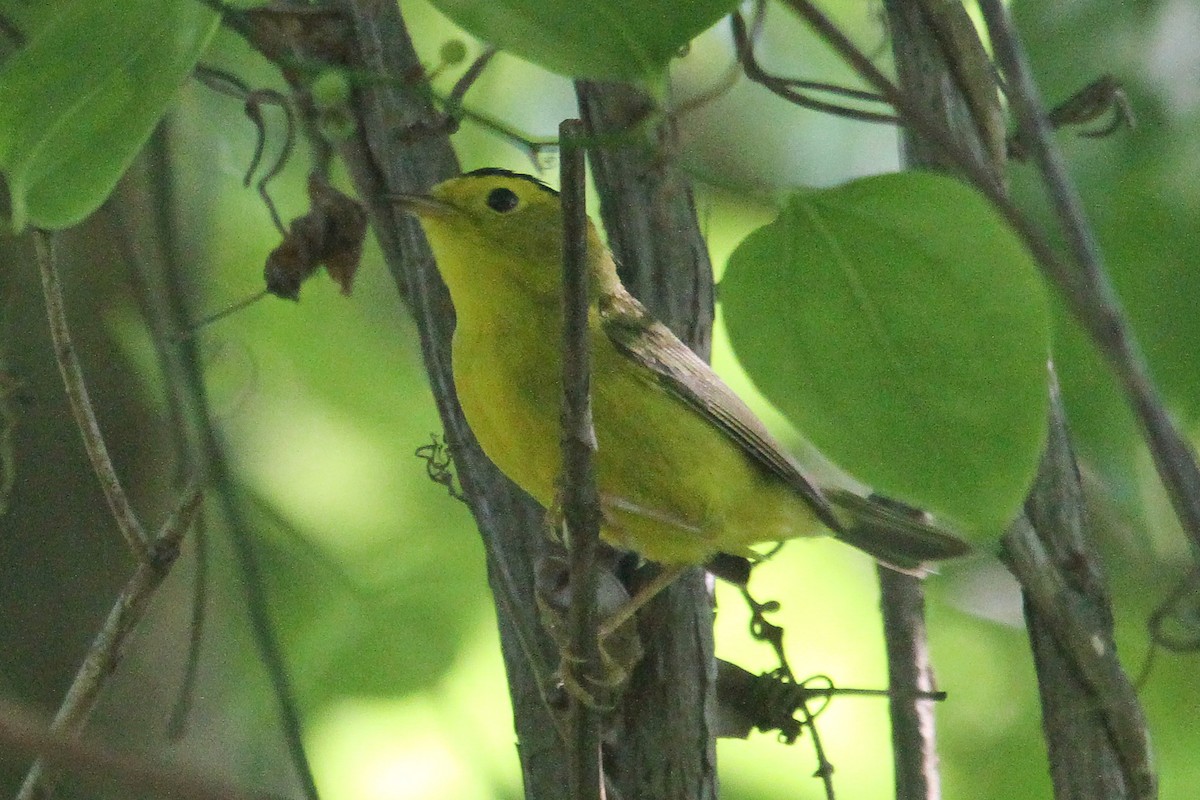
589 38
81 97
900 324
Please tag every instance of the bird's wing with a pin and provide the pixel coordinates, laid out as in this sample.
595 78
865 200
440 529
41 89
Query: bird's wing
646 341
895 535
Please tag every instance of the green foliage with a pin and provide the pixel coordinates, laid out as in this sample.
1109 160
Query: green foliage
903 328
590 39
1142 198
81 97
325 408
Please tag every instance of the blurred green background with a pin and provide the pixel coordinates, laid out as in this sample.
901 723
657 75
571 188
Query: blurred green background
376 577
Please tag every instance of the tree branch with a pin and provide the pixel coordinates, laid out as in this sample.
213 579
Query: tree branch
106 651
401 146
581 503
155 557
910 673
667 714
1091 714
22 733
1174 457
1096 733
81 404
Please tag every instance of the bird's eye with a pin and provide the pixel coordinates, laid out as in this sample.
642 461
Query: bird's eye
502 200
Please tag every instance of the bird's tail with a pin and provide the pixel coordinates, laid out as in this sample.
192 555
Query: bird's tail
898 535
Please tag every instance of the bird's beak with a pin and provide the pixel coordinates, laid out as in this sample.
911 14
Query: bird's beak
422 206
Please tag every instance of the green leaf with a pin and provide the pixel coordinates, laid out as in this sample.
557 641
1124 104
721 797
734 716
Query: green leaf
589 38
903 328
80 99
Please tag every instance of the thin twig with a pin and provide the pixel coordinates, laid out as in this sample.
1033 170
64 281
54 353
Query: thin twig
1173 455
787 88
108 647
910 675
928 63
581 502
648 208
187 374
81 404
23 733
459 91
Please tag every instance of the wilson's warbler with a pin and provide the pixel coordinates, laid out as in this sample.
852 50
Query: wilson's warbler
684 469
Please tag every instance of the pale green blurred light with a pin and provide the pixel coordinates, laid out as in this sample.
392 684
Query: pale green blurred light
455 741
318 464
390 750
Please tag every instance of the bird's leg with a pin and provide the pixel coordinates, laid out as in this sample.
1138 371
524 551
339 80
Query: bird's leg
620 645
645 594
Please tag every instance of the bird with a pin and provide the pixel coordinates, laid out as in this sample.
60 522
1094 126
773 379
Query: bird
685 471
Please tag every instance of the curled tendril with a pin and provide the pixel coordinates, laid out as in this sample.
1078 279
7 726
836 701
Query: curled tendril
438 463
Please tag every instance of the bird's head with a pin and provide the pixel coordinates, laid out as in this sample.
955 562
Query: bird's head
493 225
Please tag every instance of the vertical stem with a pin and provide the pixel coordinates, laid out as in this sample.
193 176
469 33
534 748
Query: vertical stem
667 714
401 146
927 65
914 741
81 404
581 504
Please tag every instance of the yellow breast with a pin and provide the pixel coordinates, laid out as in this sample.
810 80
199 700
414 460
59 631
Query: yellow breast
673 487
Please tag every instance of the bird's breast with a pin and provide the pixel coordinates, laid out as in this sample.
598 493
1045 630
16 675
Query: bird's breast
507 374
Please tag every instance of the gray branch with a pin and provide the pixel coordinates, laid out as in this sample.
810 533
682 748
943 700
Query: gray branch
581 502
1096 732
667 714
402 146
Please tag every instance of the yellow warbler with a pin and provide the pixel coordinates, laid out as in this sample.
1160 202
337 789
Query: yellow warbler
684 469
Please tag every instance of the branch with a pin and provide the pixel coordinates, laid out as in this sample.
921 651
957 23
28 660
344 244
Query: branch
401 147
667 714
1092 718
1095 730
910 674
581 502
81 404
786 88
22 733
106 651
154 558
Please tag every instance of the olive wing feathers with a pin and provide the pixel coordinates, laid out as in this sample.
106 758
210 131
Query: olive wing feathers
891 532
646 341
